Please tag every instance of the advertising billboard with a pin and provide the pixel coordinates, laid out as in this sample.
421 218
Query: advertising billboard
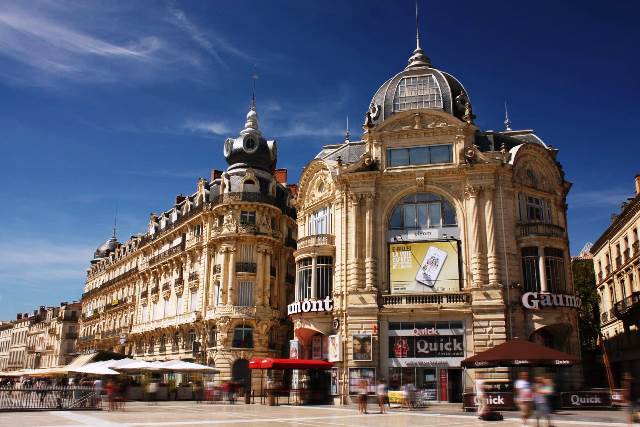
424 267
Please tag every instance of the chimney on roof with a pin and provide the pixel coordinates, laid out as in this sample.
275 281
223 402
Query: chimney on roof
25 315
637 181
19 316
180 198
215 174
281 176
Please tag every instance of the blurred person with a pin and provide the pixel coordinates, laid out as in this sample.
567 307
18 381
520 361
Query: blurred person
481 398
542 392
631 395
383 395
363 387
524 396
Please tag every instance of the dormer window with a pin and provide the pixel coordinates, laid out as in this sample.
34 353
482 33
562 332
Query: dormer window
417 92
420 155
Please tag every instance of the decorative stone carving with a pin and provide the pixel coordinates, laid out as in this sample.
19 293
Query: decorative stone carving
471 191
230 223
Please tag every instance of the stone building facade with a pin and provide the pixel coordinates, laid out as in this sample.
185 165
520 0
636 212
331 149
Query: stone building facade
5 343
430 240
52 336
208 280
617 266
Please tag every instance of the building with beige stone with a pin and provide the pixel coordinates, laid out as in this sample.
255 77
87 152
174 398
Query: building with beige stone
429 240
210 278
617 266
52 336
5 343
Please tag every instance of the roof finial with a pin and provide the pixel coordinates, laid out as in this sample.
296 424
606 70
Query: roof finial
418 58
417 28
115 223
347 135
507 122
254 77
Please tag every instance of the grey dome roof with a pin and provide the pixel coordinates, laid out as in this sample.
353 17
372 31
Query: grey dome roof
107 247
250 149
440 91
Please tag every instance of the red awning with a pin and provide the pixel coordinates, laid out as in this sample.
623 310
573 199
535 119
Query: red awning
270 363
518 352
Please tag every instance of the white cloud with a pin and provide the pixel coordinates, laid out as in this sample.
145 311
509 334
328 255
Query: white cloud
598 198
214 127
211 45
300 128
35 263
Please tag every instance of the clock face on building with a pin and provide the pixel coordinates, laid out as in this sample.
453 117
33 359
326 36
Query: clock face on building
250 145
228 145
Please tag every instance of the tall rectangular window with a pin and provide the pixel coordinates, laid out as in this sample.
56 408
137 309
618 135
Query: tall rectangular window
324 277
534 209
178 304
304 278
554 266
320 222
193 303
530 271
245 294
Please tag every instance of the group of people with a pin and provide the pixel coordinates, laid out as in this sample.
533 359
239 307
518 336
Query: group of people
534 398
382 395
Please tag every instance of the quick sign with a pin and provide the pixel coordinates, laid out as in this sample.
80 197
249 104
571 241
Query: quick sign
537 300
429 346
499 401
585 399
310 305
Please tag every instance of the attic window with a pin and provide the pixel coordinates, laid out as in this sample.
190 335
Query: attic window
417 92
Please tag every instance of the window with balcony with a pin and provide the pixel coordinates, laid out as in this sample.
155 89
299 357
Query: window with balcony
534 209
191 338
247 218
245 293
179 304
213 337
193 303
530 271
554 265
320 222
243 337
421 155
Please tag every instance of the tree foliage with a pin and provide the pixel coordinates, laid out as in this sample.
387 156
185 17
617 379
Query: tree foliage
584 280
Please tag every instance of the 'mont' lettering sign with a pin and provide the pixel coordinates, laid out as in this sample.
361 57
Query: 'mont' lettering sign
537 300
308 305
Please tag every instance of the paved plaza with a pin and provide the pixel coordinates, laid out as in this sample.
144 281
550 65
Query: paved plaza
190 414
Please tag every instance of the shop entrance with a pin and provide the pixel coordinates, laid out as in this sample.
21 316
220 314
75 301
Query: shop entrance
241 373
436 384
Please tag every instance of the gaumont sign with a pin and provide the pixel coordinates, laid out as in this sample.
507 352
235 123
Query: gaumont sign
586 399
536 300
308 305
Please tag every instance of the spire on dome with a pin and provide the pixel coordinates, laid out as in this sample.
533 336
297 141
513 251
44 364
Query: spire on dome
251 124
418 58
507 122
115 224
347 135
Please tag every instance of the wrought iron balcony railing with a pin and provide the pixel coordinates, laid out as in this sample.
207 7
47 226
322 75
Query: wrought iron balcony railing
540 229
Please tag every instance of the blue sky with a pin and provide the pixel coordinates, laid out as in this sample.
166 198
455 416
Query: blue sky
125 104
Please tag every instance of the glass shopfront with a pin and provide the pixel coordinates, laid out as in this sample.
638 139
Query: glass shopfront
426 356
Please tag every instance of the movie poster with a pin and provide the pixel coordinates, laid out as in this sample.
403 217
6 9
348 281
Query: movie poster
335 348
294 349
362 347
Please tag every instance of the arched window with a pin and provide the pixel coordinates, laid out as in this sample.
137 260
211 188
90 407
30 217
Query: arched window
250 186
243 337
422 210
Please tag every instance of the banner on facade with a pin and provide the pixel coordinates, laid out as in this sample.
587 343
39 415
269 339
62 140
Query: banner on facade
586 399
362 347
335 348
424 267
294 349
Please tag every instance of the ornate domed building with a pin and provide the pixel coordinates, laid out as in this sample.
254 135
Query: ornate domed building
208 280
430 240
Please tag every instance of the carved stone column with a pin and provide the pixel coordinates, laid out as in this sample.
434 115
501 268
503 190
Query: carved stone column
266 291
492 254
542 270
231 277
370 262
471 194
258 290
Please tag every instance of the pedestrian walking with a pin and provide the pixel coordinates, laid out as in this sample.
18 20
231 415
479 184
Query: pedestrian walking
481 399
152 391
631 395
524 396
383 395
362 396
541 394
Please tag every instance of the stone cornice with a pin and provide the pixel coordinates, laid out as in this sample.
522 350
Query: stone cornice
630 210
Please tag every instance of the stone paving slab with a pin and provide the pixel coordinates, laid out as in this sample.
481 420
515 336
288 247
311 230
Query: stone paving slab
199 415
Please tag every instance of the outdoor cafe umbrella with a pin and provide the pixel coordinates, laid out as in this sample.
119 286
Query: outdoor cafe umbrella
182 366
519 352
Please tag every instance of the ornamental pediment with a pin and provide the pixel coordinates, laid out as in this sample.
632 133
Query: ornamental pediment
436 122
